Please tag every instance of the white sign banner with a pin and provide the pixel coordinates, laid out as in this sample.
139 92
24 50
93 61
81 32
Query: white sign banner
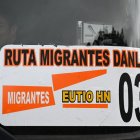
91 31
69 86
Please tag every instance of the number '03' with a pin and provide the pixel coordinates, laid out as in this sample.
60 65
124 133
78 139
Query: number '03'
126 116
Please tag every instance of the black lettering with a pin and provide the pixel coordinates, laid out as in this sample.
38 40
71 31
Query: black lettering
32 58
126 116
58 57
116 56
44 57
8 57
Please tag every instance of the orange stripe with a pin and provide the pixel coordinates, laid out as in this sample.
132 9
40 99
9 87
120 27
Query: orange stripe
85 105
67 79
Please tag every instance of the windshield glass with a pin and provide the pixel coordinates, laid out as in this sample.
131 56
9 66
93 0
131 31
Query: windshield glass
80 23
70 22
